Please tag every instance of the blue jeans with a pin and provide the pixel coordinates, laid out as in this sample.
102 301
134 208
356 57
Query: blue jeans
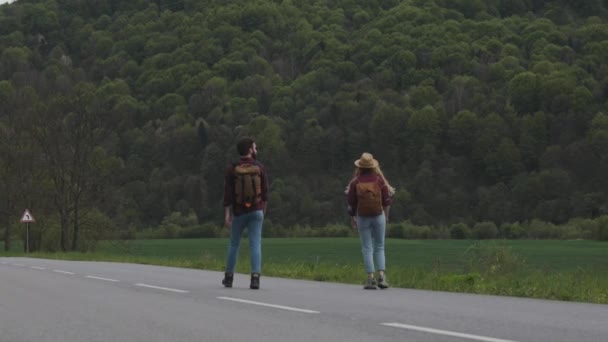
371 232
253 222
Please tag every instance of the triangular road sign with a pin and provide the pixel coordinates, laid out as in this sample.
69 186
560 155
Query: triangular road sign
27 217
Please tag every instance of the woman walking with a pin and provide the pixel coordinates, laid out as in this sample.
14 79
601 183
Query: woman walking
369 199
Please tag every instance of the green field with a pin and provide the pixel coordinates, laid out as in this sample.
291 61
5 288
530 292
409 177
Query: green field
443 255
446 255
564 270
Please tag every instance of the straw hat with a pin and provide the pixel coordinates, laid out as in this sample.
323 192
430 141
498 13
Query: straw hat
366 161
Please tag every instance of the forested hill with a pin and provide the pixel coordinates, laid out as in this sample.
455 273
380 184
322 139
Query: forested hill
478 110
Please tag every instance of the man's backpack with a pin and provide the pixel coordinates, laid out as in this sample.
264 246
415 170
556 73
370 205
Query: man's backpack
247 185
369 199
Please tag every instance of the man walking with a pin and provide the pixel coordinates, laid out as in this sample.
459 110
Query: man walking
245 198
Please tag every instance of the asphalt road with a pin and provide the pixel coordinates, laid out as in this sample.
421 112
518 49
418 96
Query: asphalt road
69 301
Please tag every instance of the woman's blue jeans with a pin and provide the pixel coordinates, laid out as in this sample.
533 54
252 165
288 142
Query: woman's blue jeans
371 232
251 221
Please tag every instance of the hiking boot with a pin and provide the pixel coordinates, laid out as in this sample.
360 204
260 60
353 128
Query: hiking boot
255 281
370 284
382 283
228 278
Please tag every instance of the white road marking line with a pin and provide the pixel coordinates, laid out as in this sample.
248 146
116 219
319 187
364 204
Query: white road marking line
100 278
445 332
268 305
63 272
20 265
38 268
161 288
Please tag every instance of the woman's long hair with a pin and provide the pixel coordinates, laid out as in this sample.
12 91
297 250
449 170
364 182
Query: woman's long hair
376 170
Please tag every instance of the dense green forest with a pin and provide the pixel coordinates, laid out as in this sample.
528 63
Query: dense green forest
121 116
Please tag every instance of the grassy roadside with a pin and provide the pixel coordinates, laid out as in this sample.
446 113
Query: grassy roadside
561 270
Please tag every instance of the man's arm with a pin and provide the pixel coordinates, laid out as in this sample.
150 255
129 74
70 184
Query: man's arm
228 216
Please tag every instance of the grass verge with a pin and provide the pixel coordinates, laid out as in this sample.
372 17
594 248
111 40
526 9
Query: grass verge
492 267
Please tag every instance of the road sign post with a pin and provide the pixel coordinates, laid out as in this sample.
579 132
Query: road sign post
27 218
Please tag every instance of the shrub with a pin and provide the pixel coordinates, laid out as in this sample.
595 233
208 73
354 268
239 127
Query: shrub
542 230
335 231
127 234
276 231
492 257
440 233
417 232
512 231
169 231
49 237
485 230
180 220
152 233
207 230
94 227
586 227
460 231
569 232
602 229
395 231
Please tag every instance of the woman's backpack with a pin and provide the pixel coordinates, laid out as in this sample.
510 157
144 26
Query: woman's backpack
369 198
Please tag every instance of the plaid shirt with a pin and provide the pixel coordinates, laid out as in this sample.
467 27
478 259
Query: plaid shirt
229 196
